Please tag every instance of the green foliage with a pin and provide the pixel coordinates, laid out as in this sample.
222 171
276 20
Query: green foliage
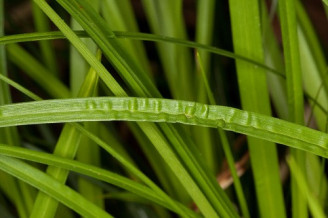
106 143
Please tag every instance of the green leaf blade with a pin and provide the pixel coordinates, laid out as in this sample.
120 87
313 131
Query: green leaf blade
247 40
50 186
172 111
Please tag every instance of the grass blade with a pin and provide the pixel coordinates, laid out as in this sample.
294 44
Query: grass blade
86 152
171 157
67 146
78 66
288 22
17 191
120 16
29 37
97 173
313 67
300 179
272 52
89 153
204 32
226 147
37 71
172 111
51 187
247 40
166 19
47 52
105 39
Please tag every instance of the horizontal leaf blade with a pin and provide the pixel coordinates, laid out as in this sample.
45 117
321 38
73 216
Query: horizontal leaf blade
163 110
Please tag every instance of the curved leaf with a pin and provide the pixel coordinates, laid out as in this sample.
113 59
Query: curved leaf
163 110
51 187
94 172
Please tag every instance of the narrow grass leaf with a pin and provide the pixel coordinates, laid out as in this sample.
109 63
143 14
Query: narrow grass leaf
13 194
81 47
29 37
288 22
67 146
20 88
51 187
110 136
313 41
204 33
120 16
167 179
78 66
272 53
18 192
172 111
316 179
247 40
37 71
42 24
166 19
292 61
314 205
313 67
97 173
226 147
139 82
88 152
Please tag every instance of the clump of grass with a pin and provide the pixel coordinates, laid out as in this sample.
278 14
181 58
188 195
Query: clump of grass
61 154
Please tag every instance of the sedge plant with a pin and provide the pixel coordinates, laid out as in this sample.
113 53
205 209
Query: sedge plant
162 109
